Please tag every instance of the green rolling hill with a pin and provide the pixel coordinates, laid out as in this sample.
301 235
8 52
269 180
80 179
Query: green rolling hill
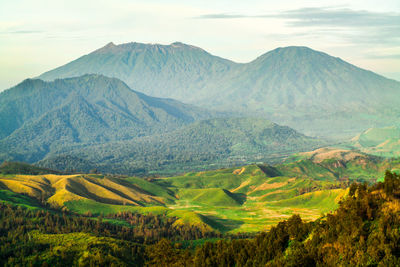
240 199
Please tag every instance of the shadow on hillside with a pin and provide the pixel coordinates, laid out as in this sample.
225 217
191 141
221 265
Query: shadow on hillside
239 197
270 171
223 225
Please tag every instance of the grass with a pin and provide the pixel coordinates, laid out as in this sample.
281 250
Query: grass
324 201
152 188
307 168
382 142
9 197
58 189
209 196
96 208
223 178
243 199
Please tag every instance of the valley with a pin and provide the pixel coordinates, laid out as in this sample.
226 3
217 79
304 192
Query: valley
251 198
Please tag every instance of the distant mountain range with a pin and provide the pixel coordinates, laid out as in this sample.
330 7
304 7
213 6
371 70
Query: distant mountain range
309 90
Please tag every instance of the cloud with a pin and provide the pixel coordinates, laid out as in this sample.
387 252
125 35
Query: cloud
351 26
385 56
221 16
322 16
338 17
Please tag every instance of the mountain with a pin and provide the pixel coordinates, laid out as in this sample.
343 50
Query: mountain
38 117
213 142
308 90
173 71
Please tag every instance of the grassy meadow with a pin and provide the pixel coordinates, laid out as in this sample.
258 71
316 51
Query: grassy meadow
248 198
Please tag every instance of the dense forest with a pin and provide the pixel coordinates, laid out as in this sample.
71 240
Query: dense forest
23 168
364 230
205 144
119 238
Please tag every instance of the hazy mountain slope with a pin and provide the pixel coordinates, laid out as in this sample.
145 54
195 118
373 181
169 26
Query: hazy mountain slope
383 142
303 88
214 142
175 70
310 91
41 116
337 163
301 78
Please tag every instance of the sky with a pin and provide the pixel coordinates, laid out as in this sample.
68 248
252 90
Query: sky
39 35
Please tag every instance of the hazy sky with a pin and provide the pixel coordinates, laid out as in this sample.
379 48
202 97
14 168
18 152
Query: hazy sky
38 35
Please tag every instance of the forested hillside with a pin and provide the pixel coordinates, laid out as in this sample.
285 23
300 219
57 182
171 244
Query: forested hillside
205 144
38 117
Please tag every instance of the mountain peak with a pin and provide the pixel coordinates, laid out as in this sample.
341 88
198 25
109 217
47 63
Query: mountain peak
178 44
140 47
109 45
106 48
291 52
295 47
